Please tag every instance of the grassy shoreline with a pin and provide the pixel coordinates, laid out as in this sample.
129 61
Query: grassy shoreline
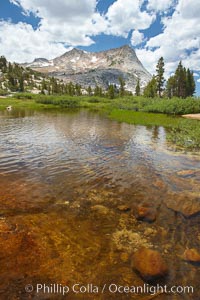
133 110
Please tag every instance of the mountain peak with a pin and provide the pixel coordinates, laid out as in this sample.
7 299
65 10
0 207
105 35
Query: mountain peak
97 68
40 59
126 47
74 51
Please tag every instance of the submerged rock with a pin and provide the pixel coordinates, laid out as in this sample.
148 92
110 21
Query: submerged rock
101 209
191 255
149 263
159 184
149 231
188 205
129 241
186 173
124 208
146 213
124 257
6 227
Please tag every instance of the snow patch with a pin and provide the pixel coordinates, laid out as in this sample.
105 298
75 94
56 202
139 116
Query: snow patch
40 64
94 59
73 60
51 63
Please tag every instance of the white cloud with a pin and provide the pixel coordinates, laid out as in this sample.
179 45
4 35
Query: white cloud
69 23
160 5
189 9
26 44
180 39
198 80
148 59
66 23
124 15
60 9
62 23
137 38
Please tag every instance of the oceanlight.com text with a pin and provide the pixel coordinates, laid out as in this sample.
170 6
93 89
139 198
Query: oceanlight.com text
112 288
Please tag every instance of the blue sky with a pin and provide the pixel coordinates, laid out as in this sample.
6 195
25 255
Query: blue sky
154 28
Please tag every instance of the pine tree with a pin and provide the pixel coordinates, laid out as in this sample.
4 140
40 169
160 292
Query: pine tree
100 92
49 89
3 64
150 90
190 83
21 84
171 87
122 87
44 85
180 76
111 91
137 89
71 89
97 91
78 89
10 68
182 84
160 76
89 90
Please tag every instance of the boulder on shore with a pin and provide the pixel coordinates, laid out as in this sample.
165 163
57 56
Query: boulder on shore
149 263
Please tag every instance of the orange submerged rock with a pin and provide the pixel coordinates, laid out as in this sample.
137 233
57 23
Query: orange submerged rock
149 263
191 255
146 213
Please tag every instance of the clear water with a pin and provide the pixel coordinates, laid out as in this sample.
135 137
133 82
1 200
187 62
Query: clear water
63 179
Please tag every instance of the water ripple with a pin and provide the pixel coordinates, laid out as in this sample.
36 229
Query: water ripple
81 148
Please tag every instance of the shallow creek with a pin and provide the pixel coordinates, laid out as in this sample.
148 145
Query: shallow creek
70 186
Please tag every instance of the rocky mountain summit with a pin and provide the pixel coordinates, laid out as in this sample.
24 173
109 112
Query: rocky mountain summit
95 68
